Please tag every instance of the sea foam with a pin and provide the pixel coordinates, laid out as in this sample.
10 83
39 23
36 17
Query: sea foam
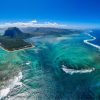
89 40
73 71
13 82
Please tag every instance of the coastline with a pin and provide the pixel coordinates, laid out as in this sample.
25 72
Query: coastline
32 46
88 41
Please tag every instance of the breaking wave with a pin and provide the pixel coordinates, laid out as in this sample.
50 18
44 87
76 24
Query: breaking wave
12 83
89 41
74 71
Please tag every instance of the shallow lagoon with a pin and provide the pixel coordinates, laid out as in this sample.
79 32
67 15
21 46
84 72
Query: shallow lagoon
43 77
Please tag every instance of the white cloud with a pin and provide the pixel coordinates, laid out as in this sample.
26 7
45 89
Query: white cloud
35 23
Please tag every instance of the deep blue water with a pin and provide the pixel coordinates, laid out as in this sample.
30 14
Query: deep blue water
96 33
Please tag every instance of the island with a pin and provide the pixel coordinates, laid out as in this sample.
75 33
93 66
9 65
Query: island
13 39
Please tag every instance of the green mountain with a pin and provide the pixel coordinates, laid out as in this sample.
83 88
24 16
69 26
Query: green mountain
48 31
14 32
13 39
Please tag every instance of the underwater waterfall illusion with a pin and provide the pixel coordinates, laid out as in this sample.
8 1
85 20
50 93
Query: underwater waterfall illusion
58 68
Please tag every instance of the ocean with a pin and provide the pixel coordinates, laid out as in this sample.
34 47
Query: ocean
96 33
57 68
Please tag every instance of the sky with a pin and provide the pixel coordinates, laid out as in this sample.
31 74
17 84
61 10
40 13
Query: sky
60 11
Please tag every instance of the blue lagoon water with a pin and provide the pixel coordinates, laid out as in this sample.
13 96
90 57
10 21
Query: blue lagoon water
57 68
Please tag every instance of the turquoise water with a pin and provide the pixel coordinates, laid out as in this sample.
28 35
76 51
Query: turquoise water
43 77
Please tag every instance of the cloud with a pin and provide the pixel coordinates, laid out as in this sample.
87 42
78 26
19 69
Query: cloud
35 23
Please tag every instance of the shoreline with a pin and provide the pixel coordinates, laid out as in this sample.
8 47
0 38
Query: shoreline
88 41
17 49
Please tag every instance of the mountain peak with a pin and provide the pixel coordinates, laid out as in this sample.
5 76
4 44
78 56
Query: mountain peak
12 32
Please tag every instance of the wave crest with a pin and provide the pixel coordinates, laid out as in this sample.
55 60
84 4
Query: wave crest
89 41
16 81
73 71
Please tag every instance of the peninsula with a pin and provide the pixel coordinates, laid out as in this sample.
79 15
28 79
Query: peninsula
13 39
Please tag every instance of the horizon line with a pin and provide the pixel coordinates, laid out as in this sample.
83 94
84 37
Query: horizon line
35 23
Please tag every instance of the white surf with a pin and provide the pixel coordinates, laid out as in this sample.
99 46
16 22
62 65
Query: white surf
89 40
12 83
73 71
